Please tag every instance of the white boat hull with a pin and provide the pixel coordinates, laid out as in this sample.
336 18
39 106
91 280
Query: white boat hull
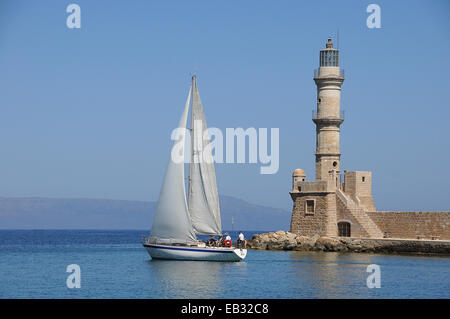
195 253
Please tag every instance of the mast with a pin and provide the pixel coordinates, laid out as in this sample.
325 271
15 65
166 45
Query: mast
191 148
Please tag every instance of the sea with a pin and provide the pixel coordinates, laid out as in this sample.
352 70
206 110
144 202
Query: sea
113 264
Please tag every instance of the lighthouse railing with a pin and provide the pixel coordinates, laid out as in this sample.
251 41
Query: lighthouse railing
315 115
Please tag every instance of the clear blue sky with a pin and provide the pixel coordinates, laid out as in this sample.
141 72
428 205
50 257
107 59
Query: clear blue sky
88 112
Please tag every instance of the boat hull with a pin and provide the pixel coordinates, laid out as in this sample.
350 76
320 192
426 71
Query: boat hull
195 253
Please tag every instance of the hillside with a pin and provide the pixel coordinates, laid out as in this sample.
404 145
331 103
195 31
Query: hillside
54 213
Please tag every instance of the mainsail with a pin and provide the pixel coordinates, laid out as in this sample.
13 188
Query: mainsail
203 196
172 222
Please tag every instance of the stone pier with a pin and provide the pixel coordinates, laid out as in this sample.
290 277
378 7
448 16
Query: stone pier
282 240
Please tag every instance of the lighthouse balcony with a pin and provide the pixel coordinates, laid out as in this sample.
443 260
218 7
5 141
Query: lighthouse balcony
320 119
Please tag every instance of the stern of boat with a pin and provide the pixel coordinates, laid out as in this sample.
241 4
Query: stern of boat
240 253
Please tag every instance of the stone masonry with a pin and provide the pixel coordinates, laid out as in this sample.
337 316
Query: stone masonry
330 207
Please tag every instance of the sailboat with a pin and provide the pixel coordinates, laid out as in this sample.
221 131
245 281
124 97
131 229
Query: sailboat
179 219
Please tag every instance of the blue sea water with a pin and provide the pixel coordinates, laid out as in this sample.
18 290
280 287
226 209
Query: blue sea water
115 265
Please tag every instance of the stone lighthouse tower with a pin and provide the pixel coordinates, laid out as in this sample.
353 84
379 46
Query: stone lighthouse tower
328 117
325 206
315 205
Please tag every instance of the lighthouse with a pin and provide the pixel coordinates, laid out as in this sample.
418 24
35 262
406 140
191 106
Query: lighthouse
328 116
327 206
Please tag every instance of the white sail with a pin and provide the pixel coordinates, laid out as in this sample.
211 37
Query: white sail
172 222
203 196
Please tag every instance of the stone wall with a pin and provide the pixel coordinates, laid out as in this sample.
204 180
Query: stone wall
413 225
368 203
359 184
311 187
317 223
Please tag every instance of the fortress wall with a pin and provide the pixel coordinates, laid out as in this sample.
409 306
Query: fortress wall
355 186
368 203
331 221
413 225
310 224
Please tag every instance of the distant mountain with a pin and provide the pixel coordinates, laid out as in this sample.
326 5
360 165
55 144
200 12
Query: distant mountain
54 213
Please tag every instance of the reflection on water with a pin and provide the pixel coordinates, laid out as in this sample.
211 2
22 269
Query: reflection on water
194 279
331 275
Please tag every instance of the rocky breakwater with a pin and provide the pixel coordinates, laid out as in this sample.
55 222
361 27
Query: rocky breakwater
282 240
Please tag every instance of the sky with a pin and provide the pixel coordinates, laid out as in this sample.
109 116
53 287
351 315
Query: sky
88 112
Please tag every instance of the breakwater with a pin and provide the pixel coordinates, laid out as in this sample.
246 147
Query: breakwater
282 240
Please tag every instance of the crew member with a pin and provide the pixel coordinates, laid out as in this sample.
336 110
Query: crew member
221 241
211 241
241 240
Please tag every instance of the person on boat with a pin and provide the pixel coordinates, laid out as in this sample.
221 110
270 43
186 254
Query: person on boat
221 241
241 240
227 240
212 241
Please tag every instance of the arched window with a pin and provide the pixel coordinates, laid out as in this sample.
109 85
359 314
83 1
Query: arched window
344 229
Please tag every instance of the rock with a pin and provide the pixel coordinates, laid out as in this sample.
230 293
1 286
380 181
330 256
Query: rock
282 240
291 235
354 245
329 244
258 241
305 243
290 244
276 235
274 246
